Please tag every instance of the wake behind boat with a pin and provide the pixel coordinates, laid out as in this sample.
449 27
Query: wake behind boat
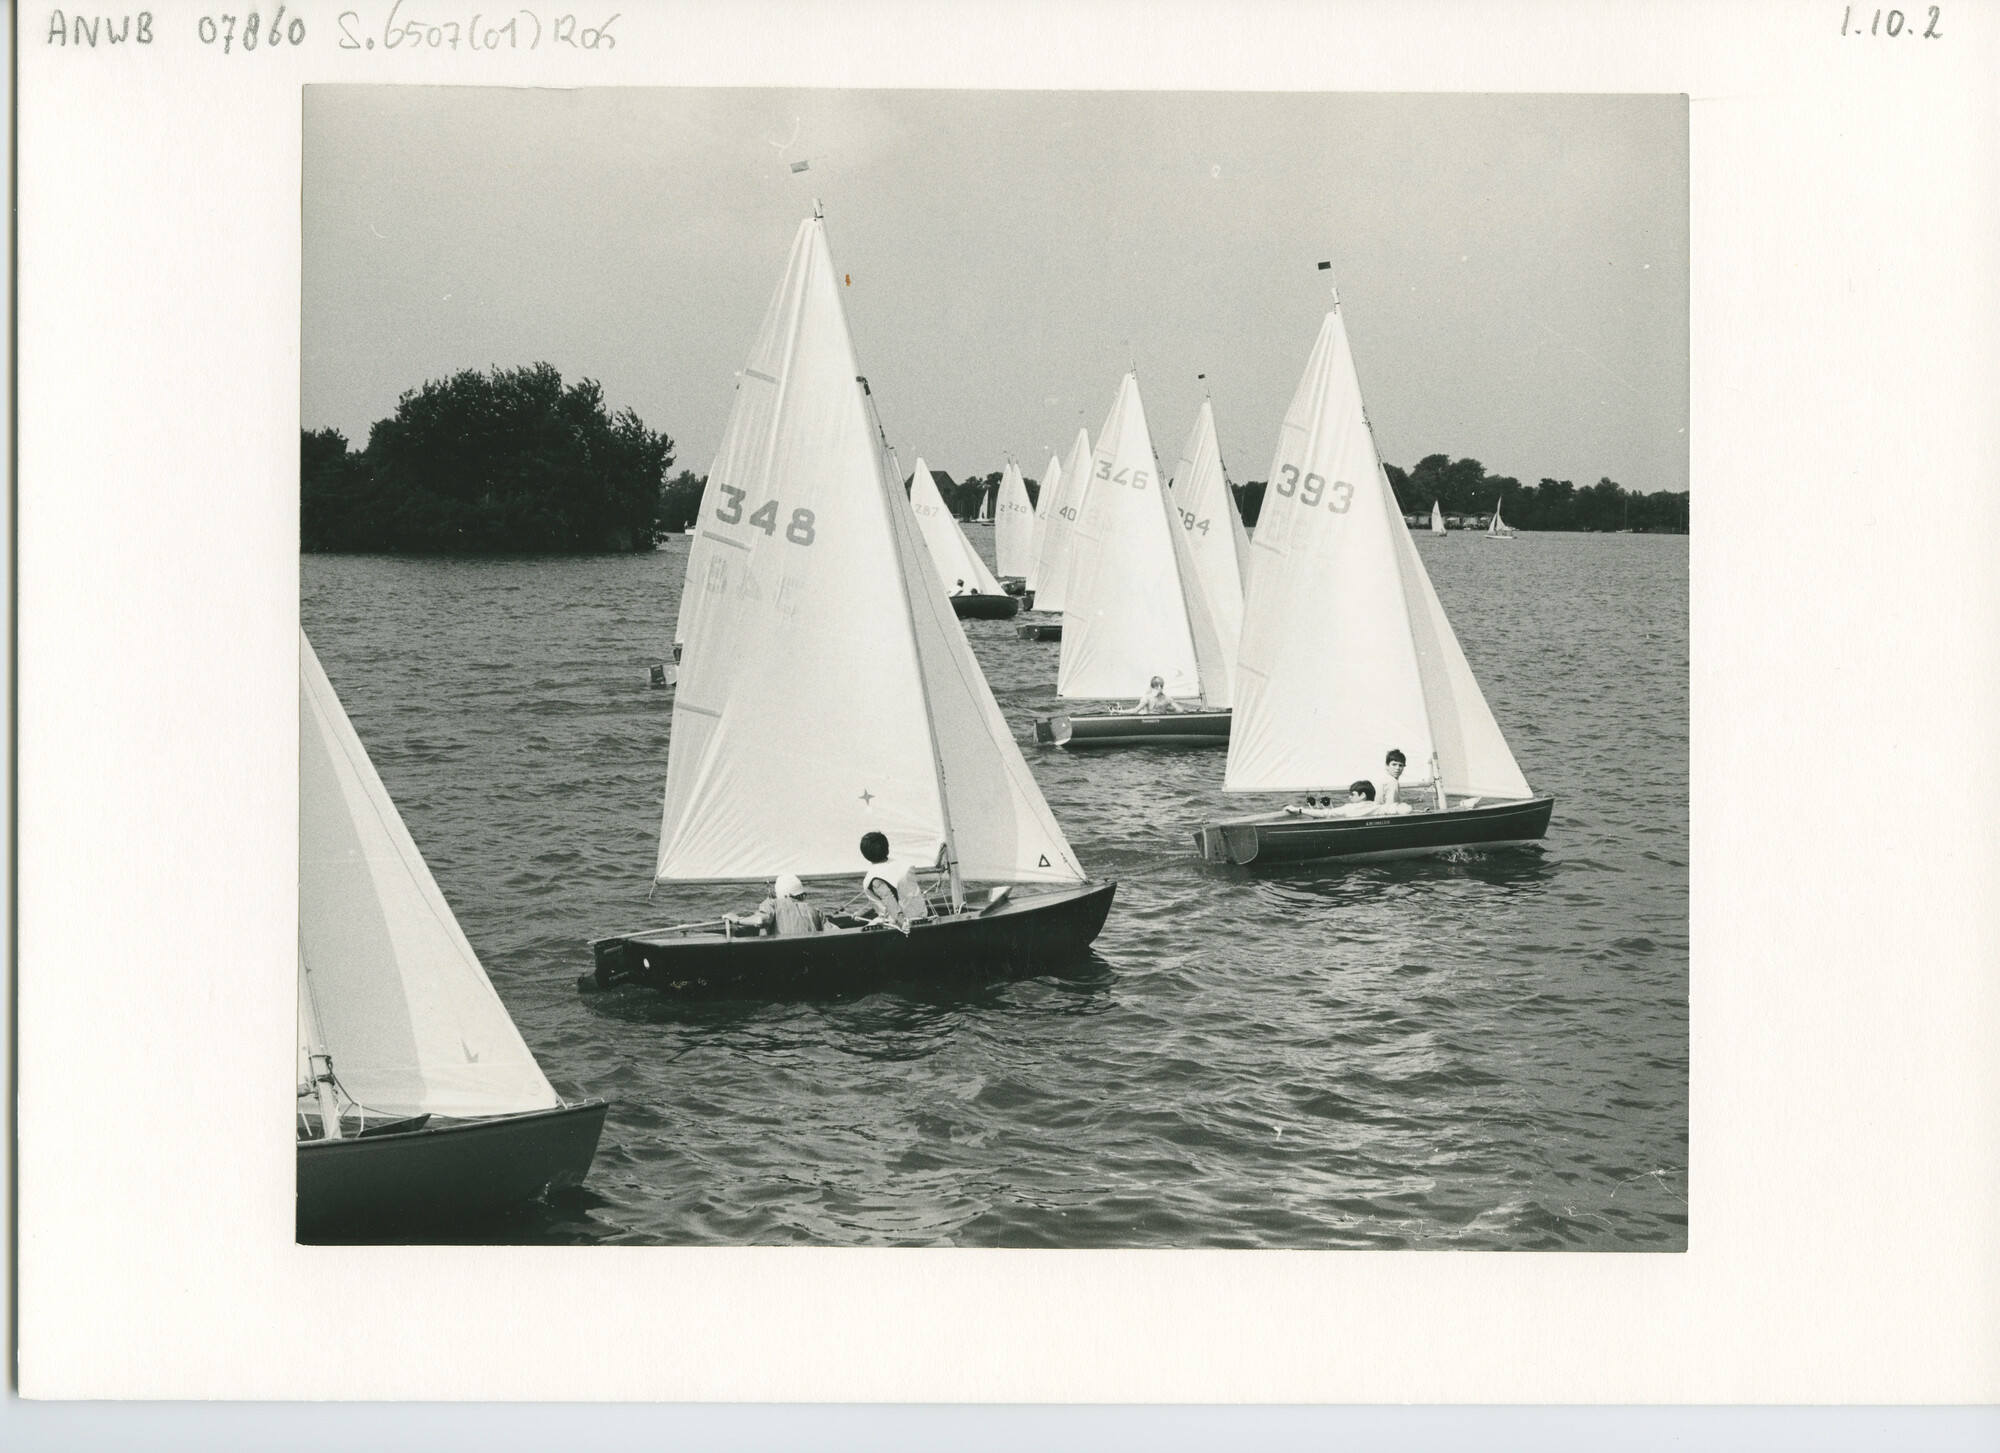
829 692
1347 657
418 1102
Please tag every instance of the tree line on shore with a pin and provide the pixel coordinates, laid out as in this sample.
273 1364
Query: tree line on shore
513 462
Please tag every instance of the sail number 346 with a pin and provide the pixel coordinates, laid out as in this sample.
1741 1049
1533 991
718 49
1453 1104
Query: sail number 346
765 517
1314 489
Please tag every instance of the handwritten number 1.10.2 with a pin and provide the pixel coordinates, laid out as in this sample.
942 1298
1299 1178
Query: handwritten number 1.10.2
1890 23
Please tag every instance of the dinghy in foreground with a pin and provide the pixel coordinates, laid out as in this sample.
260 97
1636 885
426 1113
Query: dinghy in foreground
1135 608
1346 655
419 1105
829 692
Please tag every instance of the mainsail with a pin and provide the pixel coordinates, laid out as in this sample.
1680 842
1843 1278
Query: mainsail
1133 610
1213 531
985 505
1051 580
835 692
1044 502
1437 518
1346 652
1013 524
392 990
950 551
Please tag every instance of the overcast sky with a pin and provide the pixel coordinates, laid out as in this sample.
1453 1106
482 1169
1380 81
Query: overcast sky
1514 269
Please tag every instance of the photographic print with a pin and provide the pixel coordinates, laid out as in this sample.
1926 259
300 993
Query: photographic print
994 669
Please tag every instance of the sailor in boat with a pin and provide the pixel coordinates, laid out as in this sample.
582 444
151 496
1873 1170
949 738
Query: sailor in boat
1154 701
784 913
1387 798
890 886
958 589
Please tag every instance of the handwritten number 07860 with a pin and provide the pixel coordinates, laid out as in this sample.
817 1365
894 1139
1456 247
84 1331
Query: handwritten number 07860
1314 488
799 530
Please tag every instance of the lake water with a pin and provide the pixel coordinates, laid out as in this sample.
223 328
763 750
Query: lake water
1489 1052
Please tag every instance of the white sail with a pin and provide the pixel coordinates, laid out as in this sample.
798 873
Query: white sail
1493 526
985 501
1213 531
950 551
1013 524
1345 652
1044 501
396 995
746 440
829 696
1437 518
1051 584
1130 614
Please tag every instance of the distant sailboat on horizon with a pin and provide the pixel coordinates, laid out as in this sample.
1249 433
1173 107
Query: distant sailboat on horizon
1437 518
1013 526
1495 529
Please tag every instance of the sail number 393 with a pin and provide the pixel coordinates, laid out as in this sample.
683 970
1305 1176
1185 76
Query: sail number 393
799 531
1313 489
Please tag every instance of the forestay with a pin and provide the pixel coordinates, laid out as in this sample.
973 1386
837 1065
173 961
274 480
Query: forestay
835 693
1051 580
1213 530
1133 610
949 550
394 991
1345 651
1013 524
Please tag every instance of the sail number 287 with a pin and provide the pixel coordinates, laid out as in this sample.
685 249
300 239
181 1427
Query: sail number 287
1314 488
765 518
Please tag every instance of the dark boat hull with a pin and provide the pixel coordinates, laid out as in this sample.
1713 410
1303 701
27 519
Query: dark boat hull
985 607
1039 630
1019 937
1117 729
1280 839
432 1178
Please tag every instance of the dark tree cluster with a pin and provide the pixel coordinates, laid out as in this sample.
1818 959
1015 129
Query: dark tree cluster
1463 488
506 462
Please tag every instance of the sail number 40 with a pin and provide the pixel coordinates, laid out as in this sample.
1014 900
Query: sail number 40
1137 478
799 531
1314 488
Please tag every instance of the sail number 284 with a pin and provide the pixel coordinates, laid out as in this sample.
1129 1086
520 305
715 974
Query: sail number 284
1313 489
765 517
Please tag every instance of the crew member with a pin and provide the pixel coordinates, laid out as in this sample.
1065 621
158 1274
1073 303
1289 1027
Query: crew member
891 887
785 912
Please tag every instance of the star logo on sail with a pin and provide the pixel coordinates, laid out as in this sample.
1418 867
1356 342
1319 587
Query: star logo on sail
866 797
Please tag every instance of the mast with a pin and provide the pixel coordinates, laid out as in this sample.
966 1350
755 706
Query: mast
319 1064
950 852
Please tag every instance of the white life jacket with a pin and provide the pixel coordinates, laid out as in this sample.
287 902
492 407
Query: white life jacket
901 881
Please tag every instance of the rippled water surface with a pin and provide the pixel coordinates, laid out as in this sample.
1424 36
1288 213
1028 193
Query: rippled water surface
1483 1053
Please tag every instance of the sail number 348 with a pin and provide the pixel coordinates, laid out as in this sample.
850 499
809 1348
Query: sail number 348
799 531
1313 489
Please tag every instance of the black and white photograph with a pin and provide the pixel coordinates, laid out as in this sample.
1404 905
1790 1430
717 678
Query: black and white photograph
994 669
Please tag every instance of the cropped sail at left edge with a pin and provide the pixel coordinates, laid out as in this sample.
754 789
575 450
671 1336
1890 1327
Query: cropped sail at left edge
419 1104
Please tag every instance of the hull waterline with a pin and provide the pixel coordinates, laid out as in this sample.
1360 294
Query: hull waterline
440 1176
985 607
1039 630
1017 938
1279 839
1120 729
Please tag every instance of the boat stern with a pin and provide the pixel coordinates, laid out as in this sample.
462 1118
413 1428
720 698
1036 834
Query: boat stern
1052 731
1228 842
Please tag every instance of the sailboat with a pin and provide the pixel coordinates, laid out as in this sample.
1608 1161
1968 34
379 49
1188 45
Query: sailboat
1346 655
1134 609
973 590
984 517
1014 526
1050 578
1044 501
830 692
1495 530
1205 507
1437 518
418 1102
